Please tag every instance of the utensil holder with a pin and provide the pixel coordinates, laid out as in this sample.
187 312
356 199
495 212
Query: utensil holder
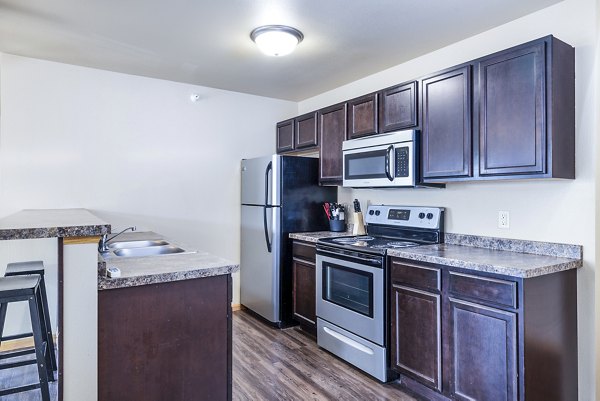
337 225
359 224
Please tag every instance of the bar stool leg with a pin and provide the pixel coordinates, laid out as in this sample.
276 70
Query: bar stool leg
40 346
3 308
45 337
48 323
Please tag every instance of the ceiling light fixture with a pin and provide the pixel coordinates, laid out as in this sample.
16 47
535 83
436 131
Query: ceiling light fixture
276 40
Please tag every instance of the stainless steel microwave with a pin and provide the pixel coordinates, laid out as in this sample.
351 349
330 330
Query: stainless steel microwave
385 160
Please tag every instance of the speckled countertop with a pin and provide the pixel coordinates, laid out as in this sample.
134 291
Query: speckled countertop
137 271
316 235
510 257
51 223
508 263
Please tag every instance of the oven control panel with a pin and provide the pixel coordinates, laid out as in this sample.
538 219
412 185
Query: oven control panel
405 216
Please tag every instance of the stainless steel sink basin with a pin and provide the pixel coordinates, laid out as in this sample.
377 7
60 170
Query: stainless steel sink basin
136 244
147 251
137 248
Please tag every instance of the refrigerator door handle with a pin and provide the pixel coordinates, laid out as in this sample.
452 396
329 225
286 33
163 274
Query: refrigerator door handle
266 205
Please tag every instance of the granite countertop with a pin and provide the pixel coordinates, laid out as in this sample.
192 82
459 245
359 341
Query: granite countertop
51 223
137 271
316 235
510 257
509 263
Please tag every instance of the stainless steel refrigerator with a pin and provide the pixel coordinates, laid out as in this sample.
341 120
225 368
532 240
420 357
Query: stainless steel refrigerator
280 195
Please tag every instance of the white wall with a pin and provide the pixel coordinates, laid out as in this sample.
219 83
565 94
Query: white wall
560 211
134 150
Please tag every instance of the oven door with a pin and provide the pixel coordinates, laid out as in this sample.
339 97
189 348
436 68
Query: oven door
390 165
350 293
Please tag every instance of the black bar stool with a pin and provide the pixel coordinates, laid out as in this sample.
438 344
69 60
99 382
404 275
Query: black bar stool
27 288
24 269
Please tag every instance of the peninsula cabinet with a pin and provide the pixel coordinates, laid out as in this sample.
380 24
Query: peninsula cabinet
398 107
332 132
517 121
166 341
303 283
465 335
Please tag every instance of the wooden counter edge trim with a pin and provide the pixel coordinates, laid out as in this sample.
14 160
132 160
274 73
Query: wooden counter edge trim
80 240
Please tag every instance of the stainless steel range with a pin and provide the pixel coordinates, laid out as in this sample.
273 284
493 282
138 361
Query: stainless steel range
352 318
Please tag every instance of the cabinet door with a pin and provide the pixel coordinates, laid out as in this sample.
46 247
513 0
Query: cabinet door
512 123
415 334
362 116
398 109
306 131
285 136
446 129
483 353
332 132
304 293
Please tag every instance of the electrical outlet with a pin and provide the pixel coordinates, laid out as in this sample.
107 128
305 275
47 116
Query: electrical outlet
503 219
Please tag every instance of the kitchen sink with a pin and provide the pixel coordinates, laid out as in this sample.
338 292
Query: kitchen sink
147 251
136 244
134 248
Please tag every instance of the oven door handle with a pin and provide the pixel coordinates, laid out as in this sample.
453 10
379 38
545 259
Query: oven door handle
388 157
348 341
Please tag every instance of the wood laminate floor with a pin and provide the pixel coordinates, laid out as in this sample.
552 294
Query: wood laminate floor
21 376
272 364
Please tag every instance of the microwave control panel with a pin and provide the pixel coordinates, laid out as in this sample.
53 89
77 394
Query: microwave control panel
402 162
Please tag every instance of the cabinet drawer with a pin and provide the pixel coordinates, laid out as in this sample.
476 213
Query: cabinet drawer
305 251
416 275
491 290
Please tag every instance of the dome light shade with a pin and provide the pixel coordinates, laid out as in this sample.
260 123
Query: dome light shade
276 40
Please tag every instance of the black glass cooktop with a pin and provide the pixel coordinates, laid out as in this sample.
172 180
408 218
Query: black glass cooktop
368 243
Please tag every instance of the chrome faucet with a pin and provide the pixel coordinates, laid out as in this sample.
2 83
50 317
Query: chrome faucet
103 243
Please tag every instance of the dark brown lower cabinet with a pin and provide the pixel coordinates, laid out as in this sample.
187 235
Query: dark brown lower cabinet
483 345
471 336
304 281
167 341
417 335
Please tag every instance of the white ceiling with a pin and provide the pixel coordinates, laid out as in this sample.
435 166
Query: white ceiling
207 42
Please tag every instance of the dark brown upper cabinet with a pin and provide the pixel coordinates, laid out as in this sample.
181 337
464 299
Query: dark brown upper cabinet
398 108
306 131
363 116
332 132
527 111
285 135
513 118
446 151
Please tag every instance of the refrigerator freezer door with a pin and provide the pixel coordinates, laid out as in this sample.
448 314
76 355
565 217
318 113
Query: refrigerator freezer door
256 174
259 268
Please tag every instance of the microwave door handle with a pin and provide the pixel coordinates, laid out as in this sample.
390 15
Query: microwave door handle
388 153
